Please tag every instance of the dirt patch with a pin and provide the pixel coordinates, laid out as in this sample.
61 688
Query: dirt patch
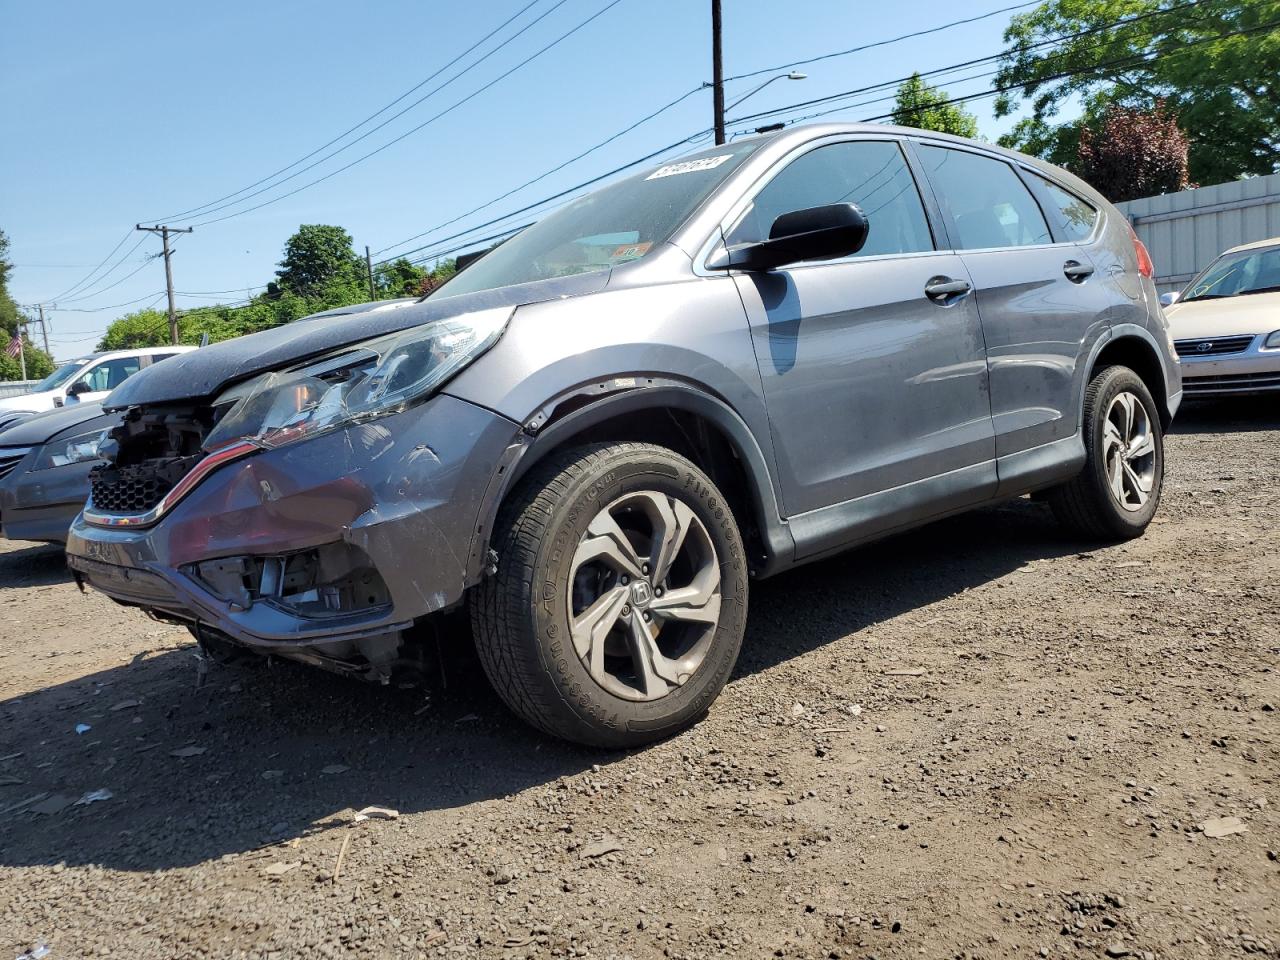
978 739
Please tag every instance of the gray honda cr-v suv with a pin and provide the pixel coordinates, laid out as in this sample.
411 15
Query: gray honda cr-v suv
592 437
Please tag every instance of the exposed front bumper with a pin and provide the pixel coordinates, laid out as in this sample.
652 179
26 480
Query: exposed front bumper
1254 370
405 492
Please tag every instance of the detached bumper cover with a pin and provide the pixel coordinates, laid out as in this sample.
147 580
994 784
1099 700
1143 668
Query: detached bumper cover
406 491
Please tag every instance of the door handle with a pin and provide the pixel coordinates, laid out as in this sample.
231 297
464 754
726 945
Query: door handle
1076 271
946 291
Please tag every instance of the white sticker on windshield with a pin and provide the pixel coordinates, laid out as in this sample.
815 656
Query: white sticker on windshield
688 166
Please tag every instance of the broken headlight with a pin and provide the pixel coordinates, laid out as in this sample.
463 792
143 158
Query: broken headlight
361 382
61 453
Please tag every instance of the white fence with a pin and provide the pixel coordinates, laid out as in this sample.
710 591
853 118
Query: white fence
16 388
1184 231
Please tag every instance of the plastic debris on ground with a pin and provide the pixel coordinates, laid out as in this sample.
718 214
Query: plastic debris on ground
376 813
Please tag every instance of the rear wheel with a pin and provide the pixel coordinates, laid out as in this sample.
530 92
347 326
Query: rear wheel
617 612
1116 494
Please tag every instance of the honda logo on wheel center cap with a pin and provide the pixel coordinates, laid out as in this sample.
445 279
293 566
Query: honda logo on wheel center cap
641 593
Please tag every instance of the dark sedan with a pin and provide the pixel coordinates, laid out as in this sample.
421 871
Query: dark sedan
44 470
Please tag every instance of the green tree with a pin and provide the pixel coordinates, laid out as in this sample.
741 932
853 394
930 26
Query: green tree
320 264
8 309
142 328
39 363
920 105
399 278
1214 65
320 271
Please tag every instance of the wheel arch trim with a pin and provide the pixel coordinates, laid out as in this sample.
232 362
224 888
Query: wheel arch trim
1131 333
615 397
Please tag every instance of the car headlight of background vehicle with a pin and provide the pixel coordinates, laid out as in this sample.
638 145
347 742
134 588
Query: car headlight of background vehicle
61 453
372 379
1272 341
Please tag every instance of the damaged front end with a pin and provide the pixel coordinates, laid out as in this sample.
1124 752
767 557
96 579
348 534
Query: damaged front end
318 513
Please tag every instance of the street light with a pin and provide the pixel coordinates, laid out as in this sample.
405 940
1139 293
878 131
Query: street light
793 75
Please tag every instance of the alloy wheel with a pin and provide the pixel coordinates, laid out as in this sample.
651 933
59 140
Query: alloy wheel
644 601
1129 451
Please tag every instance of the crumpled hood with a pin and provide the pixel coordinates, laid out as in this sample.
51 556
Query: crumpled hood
42 427
202 374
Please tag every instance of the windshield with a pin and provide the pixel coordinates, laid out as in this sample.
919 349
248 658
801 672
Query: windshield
614 225
61 375
1237 274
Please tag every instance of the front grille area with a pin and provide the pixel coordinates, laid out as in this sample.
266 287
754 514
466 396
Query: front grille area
9 459
1213 346
138 487
148 454
1232 383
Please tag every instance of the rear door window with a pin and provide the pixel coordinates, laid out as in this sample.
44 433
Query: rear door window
871 173
987 205
1076 217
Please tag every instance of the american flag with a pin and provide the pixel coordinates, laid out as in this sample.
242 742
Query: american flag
15 346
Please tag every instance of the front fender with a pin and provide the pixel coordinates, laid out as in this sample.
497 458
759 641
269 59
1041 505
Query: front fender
617 397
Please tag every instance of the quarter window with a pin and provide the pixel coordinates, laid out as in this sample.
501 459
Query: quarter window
988 205
871 173
1078 217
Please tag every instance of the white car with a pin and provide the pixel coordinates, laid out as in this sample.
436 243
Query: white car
1226 323
83 380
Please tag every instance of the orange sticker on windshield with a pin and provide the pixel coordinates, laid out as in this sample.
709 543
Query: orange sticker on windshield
630 251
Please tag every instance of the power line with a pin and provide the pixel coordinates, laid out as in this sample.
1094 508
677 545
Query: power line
212 208
90 296
379 112
81 282
218 293
84 280
471 96
542 176
1121 22
845 94
114 306
882 43
554 196
1093 68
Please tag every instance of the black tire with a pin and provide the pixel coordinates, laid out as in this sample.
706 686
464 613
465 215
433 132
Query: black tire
520 615
1086 505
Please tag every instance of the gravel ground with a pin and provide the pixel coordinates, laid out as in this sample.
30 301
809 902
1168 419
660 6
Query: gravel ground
975 740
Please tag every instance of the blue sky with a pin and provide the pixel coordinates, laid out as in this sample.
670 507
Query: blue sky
121 113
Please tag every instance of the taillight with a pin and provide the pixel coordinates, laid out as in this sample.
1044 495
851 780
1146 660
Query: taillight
1145 266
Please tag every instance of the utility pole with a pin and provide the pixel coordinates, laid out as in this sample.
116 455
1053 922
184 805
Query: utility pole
164 232
44 328
22 353
368 262
717 73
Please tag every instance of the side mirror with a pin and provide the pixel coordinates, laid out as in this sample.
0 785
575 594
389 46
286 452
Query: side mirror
79 388
1168 299
819 233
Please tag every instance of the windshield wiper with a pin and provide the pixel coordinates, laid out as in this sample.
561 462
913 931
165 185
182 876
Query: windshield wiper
1271 289
1209 296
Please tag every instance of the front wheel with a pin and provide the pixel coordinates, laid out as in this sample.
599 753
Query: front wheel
617 612
1116 494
